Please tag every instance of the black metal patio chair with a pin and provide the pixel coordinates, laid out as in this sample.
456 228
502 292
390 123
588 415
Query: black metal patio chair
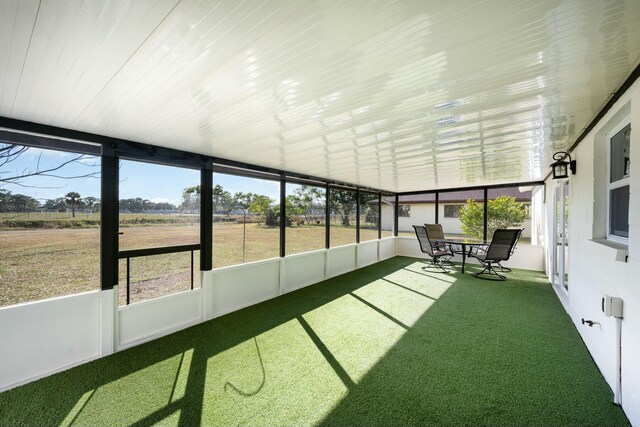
500 249
436 233
427 248
483 250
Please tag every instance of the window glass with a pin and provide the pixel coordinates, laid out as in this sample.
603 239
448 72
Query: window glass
620 154
619 170
306 213
343 216
619 211
369 216
246 219
159 207
462 213
49 223
404 211
420 209
387 215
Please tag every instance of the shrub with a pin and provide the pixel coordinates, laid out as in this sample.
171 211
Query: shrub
502 212
272 217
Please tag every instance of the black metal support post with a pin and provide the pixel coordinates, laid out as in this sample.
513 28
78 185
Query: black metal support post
379 215
437 208
358 215
486 209
327 216
396 214
206 220
128 280
192 269
283 214
109 220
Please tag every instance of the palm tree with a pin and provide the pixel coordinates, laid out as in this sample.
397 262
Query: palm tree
72 198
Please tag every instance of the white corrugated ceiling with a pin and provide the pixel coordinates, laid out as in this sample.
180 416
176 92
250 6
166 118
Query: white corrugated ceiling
397 95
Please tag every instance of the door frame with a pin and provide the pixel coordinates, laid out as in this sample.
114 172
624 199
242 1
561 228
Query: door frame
560 222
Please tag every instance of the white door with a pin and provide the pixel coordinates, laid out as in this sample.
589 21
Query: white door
561 235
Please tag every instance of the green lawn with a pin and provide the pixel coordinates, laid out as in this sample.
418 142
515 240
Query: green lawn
45 263
385 345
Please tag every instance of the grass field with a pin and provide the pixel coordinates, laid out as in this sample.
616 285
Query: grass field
386 345
44 263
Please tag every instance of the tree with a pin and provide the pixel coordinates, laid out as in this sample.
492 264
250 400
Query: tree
5 200
134 205
191 199
308 200
260 204
223 201
296 207
91 203
502 212
272 216
371 214
163 206
72 198
10 153
17 202
58 205
243 200
344 202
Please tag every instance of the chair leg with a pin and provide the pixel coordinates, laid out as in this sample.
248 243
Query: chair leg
448 260
437 264
504 269
489 273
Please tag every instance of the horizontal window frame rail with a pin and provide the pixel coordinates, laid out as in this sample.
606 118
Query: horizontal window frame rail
299 181
245 173
29 139
477 187
160 250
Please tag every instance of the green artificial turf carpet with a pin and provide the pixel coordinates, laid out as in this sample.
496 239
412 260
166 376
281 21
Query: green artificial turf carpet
385 345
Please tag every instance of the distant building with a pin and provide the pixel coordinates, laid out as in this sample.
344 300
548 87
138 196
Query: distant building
421 208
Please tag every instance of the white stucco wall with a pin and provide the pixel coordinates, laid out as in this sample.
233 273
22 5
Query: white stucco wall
596 269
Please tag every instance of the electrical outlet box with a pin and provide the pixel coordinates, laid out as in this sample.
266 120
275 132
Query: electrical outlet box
612 306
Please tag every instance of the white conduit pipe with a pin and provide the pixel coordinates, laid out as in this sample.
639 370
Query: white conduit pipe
617 396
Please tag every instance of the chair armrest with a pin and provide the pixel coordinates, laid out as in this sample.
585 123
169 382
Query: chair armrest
442 247
478 250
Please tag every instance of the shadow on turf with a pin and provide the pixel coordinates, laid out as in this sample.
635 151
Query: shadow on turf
39 401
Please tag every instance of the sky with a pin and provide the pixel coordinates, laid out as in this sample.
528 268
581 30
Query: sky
157 183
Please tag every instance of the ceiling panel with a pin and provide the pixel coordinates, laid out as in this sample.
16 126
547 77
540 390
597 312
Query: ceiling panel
398 95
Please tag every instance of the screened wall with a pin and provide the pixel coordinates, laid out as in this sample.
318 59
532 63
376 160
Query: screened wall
49 222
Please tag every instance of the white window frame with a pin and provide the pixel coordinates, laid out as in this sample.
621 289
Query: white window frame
613 185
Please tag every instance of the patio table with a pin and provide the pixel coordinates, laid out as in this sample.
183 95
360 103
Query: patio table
464 243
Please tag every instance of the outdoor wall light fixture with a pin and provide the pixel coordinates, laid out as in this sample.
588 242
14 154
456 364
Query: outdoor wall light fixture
561 167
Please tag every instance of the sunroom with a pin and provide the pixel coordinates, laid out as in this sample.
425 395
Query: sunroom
206 212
